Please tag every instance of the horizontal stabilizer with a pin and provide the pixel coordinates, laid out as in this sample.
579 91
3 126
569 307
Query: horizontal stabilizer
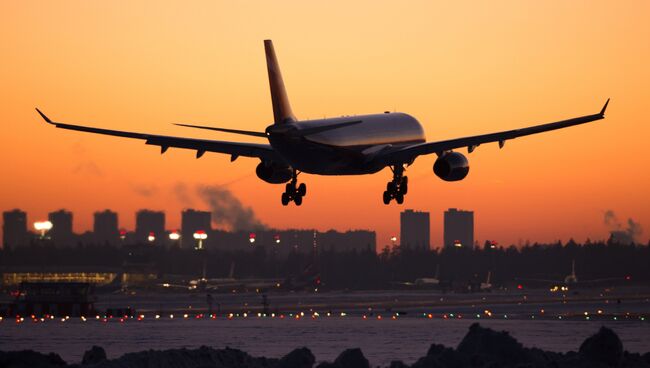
234 131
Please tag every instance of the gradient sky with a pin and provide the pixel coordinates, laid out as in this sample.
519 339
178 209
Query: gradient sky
461 68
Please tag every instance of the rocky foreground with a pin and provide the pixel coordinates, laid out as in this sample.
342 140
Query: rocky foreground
481 347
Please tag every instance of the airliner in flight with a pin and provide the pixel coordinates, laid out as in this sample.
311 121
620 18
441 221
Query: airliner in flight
357 145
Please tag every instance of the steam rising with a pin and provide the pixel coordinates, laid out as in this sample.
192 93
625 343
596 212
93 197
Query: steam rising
182 193
228 210
619 233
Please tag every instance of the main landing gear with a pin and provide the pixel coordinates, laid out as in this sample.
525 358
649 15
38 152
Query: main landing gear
398 187
293 191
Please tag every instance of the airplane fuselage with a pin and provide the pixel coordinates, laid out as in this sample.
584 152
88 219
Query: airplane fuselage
348 150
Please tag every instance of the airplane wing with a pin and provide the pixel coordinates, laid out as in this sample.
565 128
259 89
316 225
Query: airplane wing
541 281
234 149
601 281
409 153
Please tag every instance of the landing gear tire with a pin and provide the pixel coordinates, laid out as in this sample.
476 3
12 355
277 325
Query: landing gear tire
285 199
293 191
396 188
391 187
387 197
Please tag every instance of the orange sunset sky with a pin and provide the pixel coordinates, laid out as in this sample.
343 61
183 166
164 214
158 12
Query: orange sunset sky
461 68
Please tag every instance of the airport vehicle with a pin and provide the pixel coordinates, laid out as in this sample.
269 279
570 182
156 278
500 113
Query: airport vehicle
349 145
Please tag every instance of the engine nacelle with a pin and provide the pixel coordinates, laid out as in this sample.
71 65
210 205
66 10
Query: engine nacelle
273 173
452 166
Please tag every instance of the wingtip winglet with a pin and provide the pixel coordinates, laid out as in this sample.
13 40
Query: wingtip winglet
47 120
602 111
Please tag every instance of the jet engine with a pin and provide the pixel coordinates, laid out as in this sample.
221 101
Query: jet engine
451 166
273 173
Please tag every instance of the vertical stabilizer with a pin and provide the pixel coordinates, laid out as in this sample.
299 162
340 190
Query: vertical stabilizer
573 268
281 108
231 274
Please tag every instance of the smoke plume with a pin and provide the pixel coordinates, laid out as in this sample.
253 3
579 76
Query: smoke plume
182 193
227 210
622 234
144 190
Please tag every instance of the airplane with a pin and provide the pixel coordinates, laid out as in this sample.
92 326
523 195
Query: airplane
571 280
355 145
482 286
486 285
426 282
309 278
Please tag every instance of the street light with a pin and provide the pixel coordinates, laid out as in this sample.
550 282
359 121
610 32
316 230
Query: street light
43 227
251 238
152 237
174 235
200 235
277 238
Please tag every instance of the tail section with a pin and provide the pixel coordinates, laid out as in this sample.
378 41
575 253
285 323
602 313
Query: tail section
231 274
281 108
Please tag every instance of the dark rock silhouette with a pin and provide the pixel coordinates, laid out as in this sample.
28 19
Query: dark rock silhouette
30 359
350 358
603 347
298 358
481 347
95 355
186 358
484 345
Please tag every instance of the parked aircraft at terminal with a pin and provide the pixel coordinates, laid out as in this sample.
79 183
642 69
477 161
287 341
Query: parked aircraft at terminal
356 145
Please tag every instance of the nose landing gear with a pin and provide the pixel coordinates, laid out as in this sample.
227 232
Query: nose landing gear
294 191
398 187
